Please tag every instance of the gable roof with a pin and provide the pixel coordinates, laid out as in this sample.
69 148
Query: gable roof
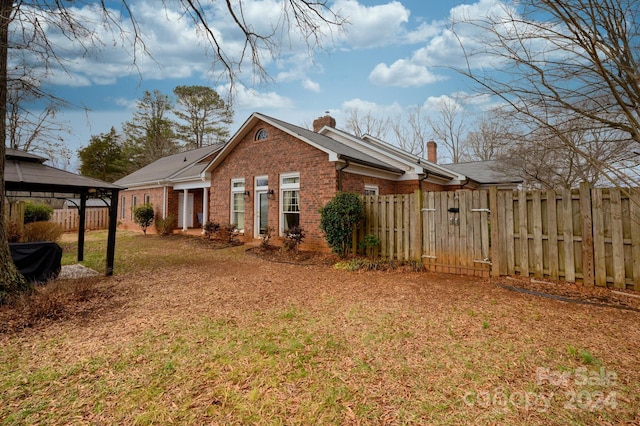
334 149
186 165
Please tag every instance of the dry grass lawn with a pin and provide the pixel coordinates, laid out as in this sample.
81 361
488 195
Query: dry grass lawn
187 334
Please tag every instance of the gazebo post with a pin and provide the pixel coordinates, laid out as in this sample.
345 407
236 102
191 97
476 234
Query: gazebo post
81 225
111 239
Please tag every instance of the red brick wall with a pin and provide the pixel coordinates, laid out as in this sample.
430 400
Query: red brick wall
156 199
355 183
279 153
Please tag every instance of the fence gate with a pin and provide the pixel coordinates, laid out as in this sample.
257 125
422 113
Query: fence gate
448 231
455 232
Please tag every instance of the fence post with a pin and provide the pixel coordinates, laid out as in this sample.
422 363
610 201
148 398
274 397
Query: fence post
586 220
416 225
495 237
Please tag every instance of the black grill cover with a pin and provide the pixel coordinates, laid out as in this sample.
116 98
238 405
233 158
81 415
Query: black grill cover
38 262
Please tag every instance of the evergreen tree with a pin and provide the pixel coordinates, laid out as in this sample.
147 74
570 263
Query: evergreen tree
104 158
150 133
204 114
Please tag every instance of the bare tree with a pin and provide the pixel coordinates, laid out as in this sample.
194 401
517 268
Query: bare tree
412 131
449 127
36 132
569 68
366 123
26 27
489 135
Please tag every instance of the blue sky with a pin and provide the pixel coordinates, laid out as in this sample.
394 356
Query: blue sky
394 55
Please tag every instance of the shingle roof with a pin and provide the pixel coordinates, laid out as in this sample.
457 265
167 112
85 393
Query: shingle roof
341 149
483 172
180 166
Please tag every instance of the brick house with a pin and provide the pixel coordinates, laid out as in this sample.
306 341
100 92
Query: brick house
165 184
272 175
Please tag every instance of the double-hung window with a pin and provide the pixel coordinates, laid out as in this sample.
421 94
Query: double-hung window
237 203
134 203
290 196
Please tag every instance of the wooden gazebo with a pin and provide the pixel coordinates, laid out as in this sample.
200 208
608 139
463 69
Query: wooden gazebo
27 176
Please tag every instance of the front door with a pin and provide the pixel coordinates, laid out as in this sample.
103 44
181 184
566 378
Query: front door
189 210
262 213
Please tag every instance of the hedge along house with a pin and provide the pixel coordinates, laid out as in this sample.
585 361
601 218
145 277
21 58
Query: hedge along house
273 175
166 184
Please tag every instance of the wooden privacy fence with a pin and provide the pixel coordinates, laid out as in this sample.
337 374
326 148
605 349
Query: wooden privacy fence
584 235
69 219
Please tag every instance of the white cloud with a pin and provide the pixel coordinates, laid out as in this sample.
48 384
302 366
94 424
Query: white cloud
402 73
372 26
251 99
312 86
374 108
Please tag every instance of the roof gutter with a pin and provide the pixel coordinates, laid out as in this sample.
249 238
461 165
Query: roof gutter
391 169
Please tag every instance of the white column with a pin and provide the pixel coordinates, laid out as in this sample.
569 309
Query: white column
185 209
205 207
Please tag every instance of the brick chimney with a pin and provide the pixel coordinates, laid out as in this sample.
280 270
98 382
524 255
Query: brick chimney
320 122
432 152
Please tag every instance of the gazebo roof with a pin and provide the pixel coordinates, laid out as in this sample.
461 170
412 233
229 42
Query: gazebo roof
26 175
26 172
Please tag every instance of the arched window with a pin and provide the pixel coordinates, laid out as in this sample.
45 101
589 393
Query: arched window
262 134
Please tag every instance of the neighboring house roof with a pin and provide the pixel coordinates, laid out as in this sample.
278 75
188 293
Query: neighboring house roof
187 165
484 172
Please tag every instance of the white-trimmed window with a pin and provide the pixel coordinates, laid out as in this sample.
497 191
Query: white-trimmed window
290 201
134 203
237 203
147 199
371 189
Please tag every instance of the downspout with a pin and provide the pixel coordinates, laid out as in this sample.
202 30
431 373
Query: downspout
164 202
422 178
340 169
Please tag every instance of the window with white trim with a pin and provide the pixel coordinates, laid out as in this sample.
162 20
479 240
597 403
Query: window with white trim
290 201
371 190
237 203
147 199
134 203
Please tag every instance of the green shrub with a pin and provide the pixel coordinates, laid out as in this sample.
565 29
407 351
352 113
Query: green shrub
143 215
338 218
370 242
37 212
41 231
165 226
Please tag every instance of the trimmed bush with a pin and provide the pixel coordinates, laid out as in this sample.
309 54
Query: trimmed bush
338 218
165 226
143 215
41 231
37 212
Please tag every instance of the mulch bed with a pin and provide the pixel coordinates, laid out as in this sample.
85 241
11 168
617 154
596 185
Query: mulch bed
280 255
